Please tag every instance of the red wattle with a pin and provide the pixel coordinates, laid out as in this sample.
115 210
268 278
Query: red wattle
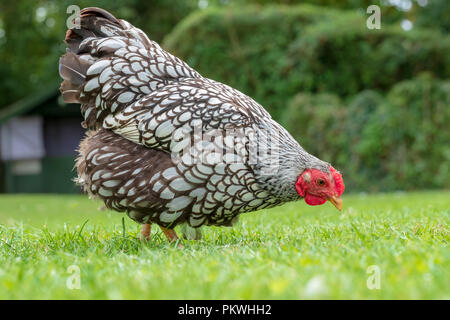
314 200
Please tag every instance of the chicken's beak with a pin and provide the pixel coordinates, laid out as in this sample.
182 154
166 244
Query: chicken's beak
337 202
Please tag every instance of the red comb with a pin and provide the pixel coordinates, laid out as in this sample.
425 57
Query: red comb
338 181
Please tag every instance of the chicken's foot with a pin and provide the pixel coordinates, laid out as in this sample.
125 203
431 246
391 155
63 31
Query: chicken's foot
171 235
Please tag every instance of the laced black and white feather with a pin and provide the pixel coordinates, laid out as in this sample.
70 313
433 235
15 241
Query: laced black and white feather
135 97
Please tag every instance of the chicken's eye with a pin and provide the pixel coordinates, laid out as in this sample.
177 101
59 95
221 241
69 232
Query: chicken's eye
320 182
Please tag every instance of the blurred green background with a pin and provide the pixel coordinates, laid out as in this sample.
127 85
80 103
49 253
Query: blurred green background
375 103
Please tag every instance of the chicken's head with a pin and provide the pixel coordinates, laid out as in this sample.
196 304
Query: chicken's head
317 187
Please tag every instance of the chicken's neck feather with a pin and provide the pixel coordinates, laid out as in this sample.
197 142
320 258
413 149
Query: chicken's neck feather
278 169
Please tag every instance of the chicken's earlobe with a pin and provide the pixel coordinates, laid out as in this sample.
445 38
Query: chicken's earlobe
299 186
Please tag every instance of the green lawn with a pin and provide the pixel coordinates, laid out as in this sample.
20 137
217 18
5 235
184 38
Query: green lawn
290 252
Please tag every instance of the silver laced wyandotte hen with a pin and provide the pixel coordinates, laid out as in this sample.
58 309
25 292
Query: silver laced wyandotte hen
168 146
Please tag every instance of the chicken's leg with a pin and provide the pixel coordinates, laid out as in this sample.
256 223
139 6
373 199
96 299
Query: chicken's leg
146 231
171 235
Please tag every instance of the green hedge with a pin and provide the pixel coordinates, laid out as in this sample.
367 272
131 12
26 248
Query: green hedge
400 141
317 121
272 53
241 48
345 57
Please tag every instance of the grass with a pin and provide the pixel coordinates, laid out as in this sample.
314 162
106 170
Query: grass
290 252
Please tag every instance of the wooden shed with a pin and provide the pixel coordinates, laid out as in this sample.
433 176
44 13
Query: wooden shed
38 139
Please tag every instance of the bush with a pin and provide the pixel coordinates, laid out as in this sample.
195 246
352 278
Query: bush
345 57
408 135
317 121
273 53
361 170
240 47
396 142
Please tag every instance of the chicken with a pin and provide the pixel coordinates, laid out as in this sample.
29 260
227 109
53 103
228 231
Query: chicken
169 146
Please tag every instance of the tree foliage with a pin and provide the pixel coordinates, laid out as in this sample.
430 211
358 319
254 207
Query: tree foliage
32 34
353 96
312 50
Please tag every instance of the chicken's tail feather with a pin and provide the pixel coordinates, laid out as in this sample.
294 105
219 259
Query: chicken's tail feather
93 25
73 70
93 22
110 64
